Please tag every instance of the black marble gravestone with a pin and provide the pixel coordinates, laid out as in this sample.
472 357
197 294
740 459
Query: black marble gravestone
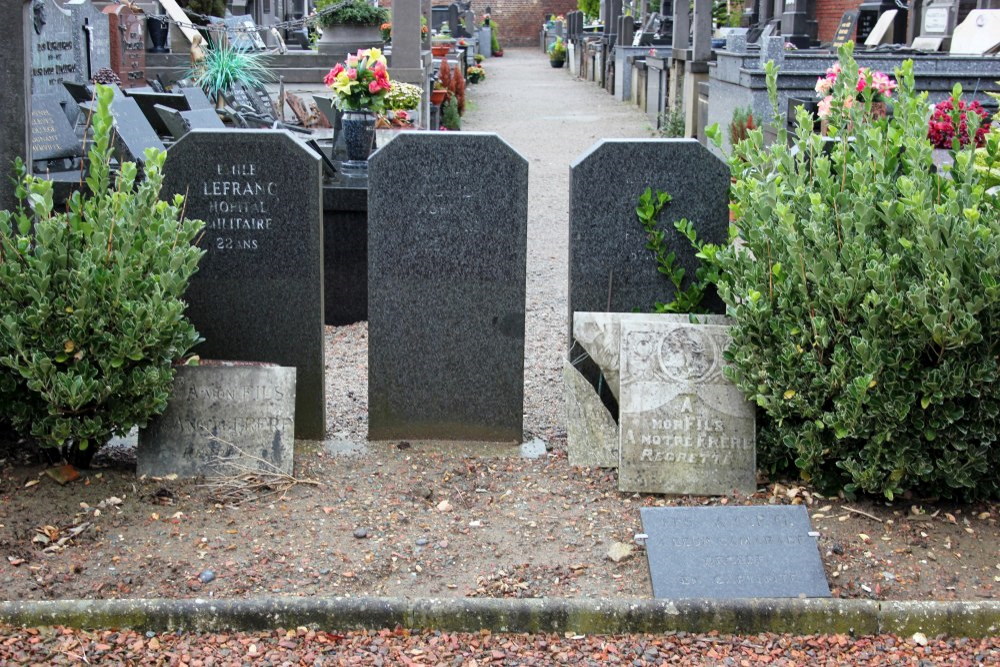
52 136
133 133
258 293
446 286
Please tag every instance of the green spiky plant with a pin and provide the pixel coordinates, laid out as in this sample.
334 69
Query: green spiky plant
91 300
225 66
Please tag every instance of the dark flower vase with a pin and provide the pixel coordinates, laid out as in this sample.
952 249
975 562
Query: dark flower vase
159 33
557 63
359 136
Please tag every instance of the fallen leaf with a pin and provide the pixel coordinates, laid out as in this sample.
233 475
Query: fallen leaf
31 482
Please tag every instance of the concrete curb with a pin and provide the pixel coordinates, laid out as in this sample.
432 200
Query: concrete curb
559 615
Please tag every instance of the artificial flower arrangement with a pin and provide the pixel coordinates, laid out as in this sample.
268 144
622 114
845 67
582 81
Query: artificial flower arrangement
881 84
476 73
403 96
941 126
386 30
361 82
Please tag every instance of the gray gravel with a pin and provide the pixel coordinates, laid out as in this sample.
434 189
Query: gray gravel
551 119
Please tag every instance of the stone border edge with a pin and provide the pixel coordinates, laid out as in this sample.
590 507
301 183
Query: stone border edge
534 615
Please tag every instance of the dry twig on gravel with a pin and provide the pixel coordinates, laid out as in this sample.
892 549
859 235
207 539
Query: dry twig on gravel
247 482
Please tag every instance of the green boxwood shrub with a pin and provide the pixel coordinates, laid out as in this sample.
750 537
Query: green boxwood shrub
866 295
352 12
91 309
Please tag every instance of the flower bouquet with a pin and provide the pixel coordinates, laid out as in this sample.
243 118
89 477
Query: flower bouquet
361 82
878 84
476 74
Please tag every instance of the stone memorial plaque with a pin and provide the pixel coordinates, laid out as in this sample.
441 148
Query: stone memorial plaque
258 292
599 334
196 98
52 136
214 407
978 34
92 37
684 428
845 29
53 50
732 553
610 268
591 431
133 133
881 32
128 45
446 285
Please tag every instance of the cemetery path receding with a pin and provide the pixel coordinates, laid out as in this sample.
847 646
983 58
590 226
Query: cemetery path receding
550 118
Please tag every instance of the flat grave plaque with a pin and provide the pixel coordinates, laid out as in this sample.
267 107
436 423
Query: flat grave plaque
133 133
732 553
845 29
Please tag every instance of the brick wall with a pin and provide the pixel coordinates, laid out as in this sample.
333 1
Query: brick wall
519 20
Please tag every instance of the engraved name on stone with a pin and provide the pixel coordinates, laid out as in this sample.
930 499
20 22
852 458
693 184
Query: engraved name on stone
239 201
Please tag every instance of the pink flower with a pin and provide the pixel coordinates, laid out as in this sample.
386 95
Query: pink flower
824 106
332 74
824 85
352 73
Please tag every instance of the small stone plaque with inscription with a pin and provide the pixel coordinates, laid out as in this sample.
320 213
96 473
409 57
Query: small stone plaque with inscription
220 415
732 552
684 428
52 136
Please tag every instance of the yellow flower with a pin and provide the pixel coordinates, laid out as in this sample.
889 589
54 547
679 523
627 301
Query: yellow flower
375 56
342 84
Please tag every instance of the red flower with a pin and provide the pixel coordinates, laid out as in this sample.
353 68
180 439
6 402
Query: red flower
337 69
941 126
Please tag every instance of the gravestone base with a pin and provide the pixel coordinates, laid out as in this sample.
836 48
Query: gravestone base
223 419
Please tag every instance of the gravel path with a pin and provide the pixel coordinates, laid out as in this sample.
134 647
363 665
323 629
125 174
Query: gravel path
551 119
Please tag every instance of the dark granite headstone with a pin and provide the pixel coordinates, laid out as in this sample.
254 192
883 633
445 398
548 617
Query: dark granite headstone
223 419
128 45
258 293
91 38
179 123
732 552
53 50
845 29
196 98
52 136
133 133
610 268
147 100
446 286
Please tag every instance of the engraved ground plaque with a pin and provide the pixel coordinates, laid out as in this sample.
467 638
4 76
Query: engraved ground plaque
684 428
242 414
732 552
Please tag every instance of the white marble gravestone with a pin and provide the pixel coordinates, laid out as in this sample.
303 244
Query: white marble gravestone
684 428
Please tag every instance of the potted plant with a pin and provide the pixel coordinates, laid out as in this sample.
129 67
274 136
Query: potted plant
360 85
442 42
557 53
349 26
439 93
476 73
224 66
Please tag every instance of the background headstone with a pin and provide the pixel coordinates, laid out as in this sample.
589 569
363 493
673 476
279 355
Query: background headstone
51 134
133 133
53 50
684 427
258 292
128 45
91 38
732 552
446 285
250 406
610 268
15 82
